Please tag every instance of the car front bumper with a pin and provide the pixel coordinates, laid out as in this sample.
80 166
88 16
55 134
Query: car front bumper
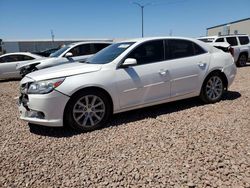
43 109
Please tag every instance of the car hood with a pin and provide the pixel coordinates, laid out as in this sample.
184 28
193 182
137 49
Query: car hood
64 71
35 61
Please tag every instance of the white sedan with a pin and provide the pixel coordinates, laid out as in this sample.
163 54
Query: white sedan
9 62
125 76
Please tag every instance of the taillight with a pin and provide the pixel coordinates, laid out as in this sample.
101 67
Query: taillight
231 50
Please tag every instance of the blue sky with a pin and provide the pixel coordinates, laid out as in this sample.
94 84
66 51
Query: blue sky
33 19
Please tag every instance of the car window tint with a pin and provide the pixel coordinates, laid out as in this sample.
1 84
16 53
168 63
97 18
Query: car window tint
148 52
98 47
232 41
220 40
83 49
198 49
27 58
244 40
5 59
180 48
12 58
1 60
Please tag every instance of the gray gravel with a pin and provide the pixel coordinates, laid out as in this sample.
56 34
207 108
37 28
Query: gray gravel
180 144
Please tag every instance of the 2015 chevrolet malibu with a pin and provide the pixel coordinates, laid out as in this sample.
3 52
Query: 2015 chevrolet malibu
125 76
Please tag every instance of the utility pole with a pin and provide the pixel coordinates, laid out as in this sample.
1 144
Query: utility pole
52 37
142 6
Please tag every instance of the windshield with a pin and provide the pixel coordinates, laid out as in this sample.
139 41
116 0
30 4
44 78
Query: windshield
109 53
59 52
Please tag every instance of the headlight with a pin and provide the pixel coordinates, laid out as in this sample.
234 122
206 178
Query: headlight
46 86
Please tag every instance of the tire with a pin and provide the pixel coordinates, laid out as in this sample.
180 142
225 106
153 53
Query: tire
242 61
87 110
212 88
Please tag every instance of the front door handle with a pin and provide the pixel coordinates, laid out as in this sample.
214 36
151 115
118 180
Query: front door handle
163 72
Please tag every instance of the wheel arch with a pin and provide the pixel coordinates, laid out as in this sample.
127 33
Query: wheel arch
89 88
221 73
244 52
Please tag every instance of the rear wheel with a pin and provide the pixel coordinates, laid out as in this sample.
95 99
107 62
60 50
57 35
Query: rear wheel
212 89
242 61
87 111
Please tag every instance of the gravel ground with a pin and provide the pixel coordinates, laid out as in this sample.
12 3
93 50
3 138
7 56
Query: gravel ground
180 144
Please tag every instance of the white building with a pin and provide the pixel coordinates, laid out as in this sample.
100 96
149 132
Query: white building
236 27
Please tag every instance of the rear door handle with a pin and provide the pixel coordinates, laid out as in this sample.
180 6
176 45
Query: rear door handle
202 65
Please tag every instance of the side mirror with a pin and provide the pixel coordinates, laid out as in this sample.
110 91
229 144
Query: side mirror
68 54
129 62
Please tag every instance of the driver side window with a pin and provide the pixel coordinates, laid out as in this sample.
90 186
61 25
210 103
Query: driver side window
149 52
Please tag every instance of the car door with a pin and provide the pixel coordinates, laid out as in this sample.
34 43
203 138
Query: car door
146 82
189 64
8 65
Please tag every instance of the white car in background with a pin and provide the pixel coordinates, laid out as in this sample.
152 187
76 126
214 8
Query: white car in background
239 43
9 62
127 75
79 51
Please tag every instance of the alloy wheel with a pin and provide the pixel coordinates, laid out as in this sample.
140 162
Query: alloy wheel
89 110
214 88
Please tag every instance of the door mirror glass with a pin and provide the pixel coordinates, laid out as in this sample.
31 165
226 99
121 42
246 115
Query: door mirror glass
68 54
129 62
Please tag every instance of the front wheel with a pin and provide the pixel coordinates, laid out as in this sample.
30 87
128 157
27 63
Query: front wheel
87 111
212 89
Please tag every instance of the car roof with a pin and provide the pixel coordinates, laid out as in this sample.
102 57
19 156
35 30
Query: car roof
89 42
156 38
218 36
21 53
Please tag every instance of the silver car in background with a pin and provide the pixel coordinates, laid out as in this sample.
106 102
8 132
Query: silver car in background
79 51
9 62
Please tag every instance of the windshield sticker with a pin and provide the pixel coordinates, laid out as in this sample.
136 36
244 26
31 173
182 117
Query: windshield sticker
124 46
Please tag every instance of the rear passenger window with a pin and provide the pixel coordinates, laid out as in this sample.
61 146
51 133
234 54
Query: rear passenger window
220 40
244 40
183 48
198 50
26 58
148 52
180 49
232 41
